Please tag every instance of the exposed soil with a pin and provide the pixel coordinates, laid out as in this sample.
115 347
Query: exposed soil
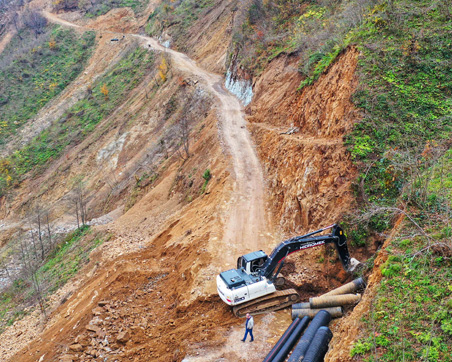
204 250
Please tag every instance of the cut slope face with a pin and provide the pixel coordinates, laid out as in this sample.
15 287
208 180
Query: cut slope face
299 137
309 170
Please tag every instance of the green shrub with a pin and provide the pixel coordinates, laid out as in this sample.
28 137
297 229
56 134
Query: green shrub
206 176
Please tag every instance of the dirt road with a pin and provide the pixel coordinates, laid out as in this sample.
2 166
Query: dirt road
247 223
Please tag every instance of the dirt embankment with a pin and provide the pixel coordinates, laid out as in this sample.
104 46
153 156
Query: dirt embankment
310 170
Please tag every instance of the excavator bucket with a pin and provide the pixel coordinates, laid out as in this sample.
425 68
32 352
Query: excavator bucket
341 247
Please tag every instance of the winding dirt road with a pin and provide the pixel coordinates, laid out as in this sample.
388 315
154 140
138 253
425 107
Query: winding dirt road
247 226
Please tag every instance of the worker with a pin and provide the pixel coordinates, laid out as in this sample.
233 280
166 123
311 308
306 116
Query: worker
249 324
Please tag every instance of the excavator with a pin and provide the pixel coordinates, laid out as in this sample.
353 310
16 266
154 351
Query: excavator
251 288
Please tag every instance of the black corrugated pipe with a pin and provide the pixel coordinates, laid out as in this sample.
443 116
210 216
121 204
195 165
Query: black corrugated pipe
319 345
321 319
282 340
293 338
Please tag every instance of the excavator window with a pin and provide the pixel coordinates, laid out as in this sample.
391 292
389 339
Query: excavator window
241 263
257 264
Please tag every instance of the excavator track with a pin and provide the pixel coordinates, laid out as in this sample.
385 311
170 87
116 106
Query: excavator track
277 300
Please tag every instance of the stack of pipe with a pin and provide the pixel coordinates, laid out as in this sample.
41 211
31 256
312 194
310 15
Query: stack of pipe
282 348
315 335
321 319
332 301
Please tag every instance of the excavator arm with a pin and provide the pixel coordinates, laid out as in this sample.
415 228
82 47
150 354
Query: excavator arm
303 242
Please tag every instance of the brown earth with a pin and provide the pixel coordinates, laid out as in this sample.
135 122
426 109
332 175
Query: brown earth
309 172
149 293
203 227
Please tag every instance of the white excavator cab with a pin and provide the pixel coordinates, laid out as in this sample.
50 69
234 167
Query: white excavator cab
252 262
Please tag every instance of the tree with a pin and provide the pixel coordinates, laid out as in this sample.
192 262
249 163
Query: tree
17 24
5 268
184 136
104 91
35 21
30 267
52 44
163 70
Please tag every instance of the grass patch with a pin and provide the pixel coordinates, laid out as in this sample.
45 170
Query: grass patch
98 8
411 316
405 92
67 258
80 120
35 71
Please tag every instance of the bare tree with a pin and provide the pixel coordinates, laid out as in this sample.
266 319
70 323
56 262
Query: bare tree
30 267
37 219
35 21
5 268
15 19
164 148
49 233
79 202
184 137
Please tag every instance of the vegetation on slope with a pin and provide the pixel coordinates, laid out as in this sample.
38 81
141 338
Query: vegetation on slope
80 120
405 91
315 30
68 256
177 16
411 317
33 71
93 8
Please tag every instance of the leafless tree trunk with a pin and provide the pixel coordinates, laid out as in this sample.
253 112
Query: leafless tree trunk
16 22
79 201
33 241
30 267
164 148
4 266
48 229
77 212
41 242
184 135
